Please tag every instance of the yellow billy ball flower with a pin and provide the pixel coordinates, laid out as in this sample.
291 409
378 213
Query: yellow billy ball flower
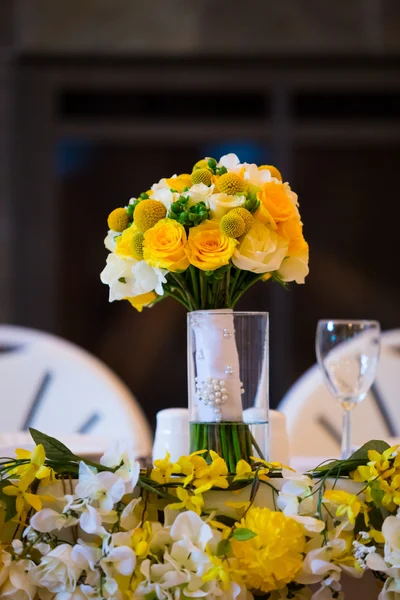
208 248
137 245
148 213
164 246
273 557
201 176
230 184
201 164
273 170
232 225
246 216
118 219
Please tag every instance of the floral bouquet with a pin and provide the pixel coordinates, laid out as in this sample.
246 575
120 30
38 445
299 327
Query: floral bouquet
204 239
75 530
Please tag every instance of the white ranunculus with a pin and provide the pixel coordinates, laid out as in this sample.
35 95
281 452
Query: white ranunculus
47 520
105 488
199 193
57 571
261 250
121 455
220 204
109 240
294 268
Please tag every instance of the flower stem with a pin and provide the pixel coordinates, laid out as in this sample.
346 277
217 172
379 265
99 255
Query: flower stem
195 284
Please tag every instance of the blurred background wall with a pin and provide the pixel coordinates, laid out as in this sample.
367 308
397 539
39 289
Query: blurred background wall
100 98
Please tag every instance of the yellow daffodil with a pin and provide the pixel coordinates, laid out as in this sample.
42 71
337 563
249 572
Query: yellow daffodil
35 469
213 475
164 469
23 498
347 504
188 501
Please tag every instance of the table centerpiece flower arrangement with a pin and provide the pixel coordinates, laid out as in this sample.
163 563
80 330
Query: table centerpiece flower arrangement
204 239
71 529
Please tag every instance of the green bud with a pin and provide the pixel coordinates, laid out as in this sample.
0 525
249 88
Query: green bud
176 207
144 196
222 170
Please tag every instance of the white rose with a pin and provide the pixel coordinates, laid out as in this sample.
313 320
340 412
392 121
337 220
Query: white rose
220 204
199 193
57 571
261 250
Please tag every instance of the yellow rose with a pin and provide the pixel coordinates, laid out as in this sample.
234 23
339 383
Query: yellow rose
208 248
261 250
180 182
275 203
123 243
164 246
142 300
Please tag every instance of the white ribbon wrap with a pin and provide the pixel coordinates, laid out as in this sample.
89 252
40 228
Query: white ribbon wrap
217 367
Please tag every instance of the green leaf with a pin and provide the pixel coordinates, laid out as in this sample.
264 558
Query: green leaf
242 534
54 449
8 501
362 453
223 548
150 596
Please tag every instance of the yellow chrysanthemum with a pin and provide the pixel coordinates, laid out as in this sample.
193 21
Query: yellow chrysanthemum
164 246
273 557
201 176
208 248
118 219
142 300
273 170
232 225
148 213
230 184
246 216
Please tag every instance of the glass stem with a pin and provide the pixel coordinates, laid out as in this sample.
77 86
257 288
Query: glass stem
346 434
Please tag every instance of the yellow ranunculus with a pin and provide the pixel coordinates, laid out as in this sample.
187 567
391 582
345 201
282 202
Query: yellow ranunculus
123 243
142 300
275 203
208 248
164 246
260 251
179 183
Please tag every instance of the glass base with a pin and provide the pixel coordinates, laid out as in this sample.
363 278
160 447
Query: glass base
232 440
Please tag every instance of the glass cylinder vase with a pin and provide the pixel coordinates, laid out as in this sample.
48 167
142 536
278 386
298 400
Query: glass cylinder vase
228 383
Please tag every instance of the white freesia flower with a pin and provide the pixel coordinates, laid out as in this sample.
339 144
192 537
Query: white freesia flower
148 279
220 204
47 520
128 277
87 556
105 488
295 495
318 564
57 571
121 560
121 455
129 518
230 162
15 579
91 521
260 251
109 240
310 524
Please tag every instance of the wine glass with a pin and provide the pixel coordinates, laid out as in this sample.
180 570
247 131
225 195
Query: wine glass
348 353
